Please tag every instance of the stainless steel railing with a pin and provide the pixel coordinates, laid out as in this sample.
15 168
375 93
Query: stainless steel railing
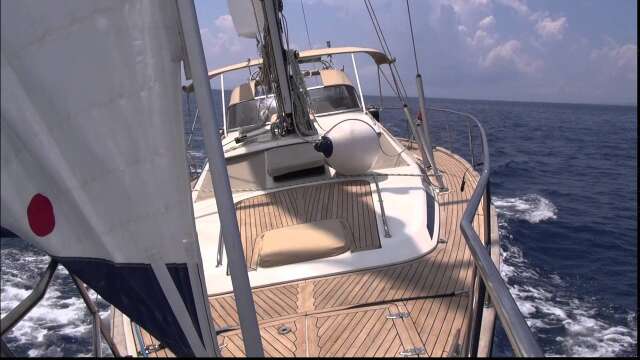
22 309
518 332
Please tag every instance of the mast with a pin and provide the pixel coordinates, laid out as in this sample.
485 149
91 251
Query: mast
281 75
273 47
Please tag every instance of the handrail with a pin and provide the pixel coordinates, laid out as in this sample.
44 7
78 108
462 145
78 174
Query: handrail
99 327
23 308
516 328
5 352
38 292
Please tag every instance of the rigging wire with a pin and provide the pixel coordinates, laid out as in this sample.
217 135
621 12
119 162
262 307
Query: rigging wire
255 16
393 88
395 74
304 15
380 87
388 50
413 40
299 97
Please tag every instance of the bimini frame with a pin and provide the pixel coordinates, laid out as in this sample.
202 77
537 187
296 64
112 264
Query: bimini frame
378 57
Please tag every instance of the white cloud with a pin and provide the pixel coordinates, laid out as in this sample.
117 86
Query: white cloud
225 22
482 39
487 22
343 8
518 5
617 60
552 29
468 12
222 45
465 5
510 55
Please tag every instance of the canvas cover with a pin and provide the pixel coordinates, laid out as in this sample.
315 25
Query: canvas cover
93 160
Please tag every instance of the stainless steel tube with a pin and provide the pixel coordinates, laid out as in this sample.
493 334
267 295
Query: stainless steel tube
518 332
221 187
427 138
22 309
99 327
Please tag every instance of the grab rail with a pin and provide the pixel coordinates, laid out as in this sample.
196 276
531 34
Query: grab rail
24 307
518 332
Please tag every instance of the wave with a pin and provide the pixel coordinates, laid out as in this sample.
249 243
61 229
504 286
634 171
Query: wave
60 325
566 324
532 208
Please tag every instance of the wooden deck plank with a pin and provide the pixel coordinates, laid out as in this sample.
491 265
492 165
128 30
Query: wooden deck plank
338 331
262 213
278 342
334 342
353 337
369 325
373 335
386 336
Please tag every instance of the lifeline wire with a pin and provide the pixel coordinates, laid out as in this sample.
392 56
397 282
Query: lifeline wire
304 15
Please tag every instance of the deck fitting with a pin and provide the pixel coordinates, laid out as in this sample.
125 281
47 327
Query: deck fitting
398 315
151 348
284 330
415 351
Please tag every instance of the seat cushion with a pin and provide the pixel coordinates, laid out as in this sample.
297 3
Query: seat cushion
304 242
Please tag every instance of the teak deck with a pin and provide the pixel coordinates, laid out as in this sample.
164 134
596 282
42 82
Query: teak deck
364 313
349 200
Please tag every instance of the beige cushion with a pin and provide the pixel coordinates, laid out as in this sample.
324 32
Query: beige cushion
332 77
304 242
243 92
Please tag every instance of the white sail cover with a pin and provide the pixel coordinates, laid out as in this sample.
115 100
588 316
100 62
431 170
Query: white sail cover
93 160
247 16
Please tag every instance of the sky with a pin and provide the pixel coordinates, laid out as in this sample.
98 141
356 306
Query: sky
545 50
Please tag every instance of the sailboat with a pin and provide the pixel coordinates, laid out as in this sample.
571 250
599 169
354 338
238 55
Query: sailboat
311 231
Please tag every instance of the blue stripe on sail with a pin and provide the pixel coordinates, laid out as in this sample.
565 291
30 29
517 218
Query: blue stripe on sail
180 275
134 290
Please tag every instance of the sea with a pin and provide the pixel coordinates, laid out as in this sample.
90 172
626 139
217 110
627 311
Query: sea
563 182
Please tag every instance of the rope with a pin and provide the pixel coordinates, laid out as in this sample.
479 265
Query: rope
304 15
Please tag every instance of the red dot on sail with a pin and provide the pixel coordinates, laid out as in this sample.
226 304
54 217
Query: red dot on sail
40 215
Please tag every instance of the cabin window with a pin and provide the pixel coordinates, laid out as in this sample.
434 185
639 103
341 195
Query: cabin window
333 98
323 100
251 112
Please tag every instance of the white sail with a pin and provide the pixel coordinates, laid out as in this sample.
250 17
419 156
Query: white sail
247 16
93 161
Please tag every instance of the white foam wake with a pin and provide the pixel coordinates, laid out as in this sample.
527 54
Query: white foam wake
60 324
568 325
532 208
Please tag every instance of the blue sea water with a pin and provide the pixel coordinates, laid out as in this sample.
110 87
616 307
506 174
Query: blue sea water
563 180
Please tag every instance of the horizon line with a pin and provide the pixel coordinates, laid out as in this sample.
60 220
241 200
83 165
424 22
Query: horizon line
627 104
